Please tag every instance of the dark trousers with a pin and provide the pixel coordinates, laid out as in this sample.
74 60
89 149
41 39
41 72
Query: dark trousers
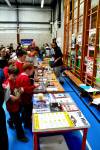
15 117
27 114
3 131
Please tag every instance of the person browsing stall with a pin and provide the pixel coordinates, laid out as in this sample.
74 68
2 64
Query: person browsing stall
21 55
12 102
32 58
26 97
58 61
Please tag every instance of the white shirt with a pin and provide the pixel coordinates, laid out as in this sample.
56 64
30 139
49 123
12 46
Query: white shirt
33 60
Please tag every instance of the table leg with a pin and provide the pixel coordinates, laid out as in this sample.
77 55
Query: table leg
35 141
84 138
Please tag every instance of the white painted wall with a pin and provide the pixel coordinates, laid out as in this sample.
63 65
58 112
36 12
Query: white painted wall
60 31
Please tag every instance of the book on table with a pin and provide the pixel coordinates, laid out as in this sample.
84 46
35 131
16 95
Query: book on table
41 106
52 121
78 118
63 100
59 95
72 107
55 107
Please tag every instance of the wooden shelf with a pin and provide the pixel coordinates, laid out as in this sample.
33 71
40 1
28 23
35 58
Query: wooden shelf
72 26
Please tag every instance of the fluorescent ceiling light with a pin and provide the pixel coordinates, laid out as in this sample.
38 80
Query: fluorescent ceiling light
42 3
7 1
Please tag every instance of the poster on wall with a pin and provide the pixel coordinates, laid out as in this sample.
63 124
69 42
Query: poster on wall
89 67
98 71
73 41
91 42
79 39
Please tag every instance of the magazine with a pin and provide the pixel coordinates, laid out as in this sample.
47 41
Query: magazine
91 43
79 38
89 67
73 41
78 118
98 71
69 107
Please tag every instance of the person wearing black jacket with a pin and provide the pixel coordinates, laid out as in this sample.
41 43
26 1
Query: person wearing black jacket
3 130
58 61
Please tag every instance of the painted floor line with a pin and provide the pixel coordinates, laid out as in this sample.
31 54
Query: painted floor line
86 141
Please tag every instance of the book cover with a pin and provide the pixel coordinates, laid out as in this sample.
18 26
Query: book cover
59 95
69 107
73 41
41 106
89 67
91 42
63 101
98 71
79 38
55 107
17 93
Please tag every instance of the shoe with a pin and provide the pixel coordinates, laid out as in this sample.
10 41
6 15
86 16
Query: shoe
11 126
24 139
61 82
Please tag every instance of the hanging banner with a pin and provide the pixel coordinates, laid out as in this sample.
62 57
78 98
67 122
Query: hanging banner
91 42
89 67
98 71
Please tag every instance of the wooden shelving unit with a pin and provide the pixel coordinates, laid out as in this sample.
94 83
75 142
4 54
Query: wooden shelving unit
73 18
80 17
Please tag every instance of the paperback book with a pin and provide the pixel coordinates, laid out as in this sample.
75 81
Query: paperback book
69 107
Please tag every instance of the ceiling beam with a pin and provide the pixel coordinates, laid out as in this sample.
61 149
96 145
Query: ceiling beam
33 2
2 1
26 4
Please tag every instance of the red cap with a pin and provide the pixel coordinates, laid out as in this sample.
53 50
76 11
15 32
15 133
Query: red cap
33 42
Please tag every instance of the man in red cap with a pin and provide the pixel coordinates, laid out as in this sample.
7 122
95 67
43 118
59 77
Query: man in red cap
32 43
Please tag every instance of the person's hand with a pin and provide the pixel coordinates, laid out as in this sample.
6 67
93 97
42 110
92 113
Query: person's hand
4 86
37 85
21 90
36 79
13 98
55 61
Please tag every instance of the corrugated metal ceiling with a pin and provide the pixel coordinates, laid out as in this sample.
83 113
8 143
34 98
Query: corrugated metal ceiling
31 2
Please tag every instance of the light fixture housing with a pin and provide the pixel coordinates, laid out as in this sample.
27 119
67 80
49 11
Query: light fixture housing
42 3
